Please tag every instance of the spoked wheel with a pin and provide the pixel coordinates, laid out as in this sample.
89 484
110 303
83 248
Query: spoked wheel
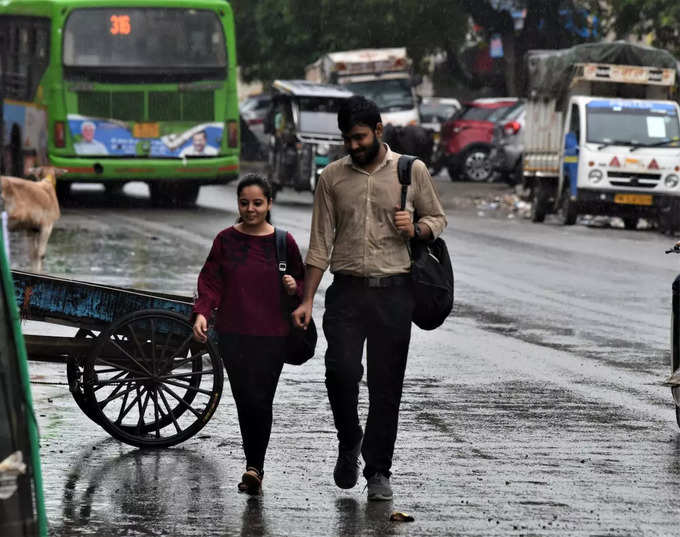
150 384
74 374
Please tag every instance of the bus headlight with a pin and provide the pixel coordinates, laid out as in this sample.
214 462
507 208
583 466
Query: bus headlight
595 176
322 149
672 180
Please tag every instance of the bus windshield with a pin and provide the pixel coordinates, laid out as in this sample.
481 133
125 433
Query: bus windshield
626 125
139 38
390 94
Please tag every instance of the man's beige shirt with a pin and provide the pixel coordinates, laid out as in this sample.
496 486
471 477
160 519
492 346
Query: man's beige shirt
353 227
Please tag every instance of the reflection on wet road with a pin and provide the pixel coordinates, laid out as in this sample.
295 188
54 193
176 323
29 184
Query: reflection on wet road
536 409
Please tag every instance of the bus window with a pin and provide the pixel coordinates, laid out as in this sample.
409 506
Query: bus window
155 38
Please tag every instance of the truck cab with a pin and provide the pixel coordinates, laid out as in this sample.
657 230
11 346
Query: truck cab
603 138
620 157
382 75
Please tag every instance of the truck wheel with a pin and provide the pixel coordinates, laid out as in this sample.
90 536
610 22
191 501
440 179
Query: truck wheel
630 223
539 203
476 164
567 212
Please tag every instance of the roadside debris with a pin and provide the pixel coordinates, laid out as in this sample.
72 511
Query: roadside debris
398 516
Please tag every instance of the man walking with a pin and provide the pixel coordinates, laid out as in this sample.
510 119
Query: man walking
359 231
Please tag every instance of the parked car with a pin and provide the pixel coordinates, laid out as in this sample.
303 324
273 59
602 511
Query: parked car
508 145
434 111
466 138
253 111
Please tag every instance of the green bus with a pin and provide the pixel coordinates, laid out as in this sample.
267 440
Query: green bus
121 90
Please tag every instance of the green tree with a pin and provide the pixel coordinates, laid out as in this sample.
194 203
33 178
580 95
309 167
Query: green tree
548 24
655 19
278 38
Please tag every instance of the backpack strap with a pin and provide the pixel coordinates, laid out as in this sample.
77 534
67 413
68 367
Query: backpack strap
404 165
281 250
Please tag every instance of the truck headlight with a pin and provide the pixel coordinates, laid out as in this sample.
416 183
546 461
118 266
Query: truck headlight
322 149
595 176
672 180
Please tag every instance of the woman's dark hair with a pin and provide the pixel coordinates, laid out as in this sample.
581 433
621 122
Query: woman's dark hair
358 109
254 179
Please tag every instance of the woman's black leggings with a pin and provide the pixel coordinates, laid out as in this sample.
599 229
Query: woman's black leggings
253 365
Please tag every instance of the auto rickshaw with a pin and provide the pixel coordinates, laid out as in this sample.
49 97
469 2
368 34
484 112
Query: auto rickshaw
303 132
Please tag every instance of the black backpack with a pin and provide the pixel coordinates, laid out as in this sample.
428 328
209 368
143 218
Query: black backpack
431 269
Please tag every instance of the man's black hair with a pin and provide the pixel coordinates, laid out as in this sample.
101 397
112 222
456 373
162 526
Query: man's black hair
358 110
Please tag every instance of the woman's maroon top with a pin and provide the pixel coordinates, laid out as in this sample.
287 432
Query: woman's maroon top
241 279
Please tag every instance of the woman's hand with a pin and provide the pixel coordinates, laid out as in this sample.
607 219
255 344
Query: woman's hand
289 284
201 328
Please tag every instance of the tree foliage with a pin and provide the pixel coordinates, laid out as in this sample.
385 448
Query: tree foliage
277 38
656 21
548 24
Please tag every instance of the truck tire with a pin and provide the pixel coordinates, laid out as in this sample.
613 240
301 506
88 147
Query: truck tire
630 223
539 202
567 212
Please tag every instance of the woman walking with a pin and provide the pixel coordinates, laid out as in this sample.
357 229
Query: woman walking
241 281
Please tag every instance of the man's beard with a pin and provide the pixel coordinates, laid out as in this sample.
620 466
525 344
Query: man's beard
367 154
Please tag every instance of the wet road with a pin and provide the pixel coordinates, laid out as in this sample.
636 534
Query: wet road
535 410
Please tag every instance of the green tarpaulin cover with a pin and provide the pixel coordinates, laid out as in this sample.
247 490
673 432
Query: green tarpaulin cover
551 71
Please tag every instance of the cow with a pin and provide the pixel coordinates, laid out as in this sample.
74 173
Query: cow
32 206
410 140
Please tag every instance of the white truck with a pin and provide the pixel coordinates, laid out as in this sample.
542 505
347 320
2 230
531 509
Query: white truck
602 134
382 75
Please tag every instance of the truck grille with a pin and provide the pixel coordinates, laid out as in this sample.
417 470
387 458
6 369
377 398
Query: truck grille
162 105
632 179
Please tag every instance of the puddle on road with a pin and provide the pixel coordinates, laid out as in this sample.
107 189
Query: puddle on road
625 353
118 257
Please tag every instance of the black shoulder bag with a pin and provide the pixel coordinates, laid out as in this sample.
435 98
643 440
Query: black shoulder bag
431 269
300 344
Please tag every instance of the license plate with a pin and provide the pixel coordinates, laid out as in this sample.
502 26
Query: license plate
633 199
146 130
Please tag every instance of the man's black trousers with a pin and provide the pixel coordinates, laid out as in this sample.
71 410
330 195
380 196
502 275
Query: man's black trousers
381 317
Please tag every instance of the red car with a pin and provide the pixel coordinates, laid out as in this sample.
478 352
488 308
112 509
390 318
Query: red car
466 138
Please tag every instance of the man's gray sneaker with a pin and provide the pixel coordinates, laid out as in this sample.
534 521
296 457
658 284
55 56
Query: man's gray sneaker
379 487
346 473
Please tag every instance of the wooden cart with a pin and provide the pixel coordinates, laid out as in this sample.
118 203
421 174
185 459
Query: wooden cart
133 366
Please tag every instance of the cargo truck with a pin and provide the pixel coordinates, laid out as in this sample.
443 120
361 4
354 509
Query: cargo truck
602 134
382 75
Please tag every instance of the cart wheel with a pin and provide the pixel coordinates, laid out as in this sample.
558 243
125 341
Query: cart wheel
74 374
149 382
